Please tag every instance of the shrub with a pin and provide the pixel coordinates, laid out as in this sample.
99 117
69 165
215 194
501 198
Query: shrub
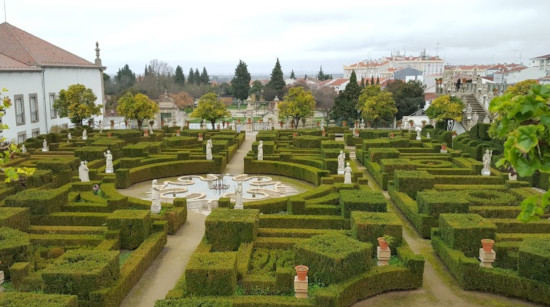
464 232
134 226
361 200
368 226
293 170
90 153
534 256
212 273
411 182
377 154
40 202
302 221
81 271
332 258
490 198
226 229
14 247
434 202
26 299
17 218
55 252
307 141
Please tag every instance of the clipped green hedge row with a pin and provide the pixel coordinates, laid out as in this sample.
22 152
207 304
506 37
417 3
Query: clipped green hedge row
134 226
368 226
361 200
26 299
40 202
303 221
212 273
293 170
227 228
463 232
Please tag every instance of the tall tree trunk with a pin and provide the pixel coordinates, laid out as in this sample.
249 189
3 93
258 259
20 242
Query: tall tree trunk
140 123
213 123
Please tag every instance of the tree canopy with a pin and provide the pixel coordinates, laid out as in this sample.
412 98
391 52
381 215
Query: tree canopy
124 78
292 75
204 78
445 108
377 106
298 104
346 103
276 85
210 108
526 125
179 77
321 76
138 107
409 96
241 81
77 103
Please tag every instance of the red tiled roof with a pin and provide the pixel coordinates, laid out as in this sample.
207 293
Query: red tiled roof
31 51
338 82
429 96
7 63
543 57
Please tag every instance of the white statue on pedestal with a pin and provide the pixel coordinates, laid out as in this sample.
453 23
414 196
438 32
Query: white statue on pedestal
69 137
209 150
486 120
83 172
486 171
475 118
261 151
23 149
347 174
155 198
341 162
239 196
45 145
468 111
85 135
108 162
150 130
428 136
418 129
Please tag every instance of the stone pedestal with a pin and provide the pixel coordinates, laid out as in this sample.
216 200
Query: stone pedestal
109 171
383 255
300 287
443 151
155 208
340 172
487 258
238 206
362 126
485 172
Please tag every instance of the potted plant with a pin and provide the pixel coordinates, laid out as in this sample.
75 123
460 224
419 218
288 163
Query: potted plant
411 122
443 146
382 243
109 134
392 135
146 132
178 132
391 240
487 245
301 271
281 123
424 122
344 123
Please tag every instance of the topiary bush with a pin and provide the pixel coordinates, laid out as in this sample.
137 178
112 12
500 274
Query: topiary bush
361 200
14 247
464 232
411 182
212 273
226 228
534 257
134 226
368 226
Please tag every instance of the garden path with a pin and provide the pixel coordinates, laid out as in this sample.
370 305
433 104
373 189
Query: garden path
170 264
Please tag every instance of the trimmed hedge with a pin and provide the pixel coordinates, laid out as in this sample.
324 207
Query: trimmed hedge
377 154
303 221
17 218
89 153
534 257
333 258
212 273
26 299
368 226
81 271
411 182
433 202
464 232
14 247
226 228
293 170
361 200
40 202
134 226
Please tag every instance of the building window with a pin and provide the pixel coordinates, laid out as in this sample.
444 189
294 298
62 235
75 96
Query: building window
21 137
35 132
19 110
33 102
53 112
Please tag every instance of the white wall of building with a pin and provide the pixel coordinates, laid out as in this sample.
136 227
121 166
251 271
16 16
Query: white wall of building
42 84
525 74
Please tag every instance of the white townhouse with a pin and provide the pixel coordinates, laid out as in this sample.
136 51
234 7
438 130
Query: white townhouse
34 71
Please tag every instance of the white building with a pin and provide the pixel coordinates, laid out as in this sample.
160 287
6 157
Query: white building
34 71
539 68
386 66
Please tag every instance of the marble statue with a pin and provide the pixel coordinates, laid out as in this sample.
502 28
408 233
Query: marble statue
69 137
45 145
468 111
239 195
475 118
341 162
108 162
209 150
486 120
84 135
487 162
150 130
428 136
23 149
418 130
83 170
155 198
261 151
347 174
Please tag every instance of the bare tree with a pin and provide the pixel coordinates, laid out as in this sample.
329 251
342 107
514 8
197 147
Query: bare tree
324 98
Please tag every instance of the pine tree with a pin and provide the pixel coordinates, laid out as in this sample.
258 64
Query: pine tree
179 77
205 79
345 104
191 76
197 77
321 74
292 76
378 80
241 81
125 78
277 82
372 80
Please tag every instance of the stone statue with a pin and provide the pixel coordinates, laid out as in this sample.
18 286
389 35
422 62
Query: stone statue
45 145
150 130
209 150
155 198
475 118
418 130
347 174
486 120
100 123
23 149
83 172
84 135
239 195
108 162
69 137
428 136
468 111
261 151
341 162
487 162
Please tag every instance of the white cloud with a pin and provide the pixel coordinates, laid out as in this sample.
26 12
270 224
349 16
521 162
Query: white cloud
303 34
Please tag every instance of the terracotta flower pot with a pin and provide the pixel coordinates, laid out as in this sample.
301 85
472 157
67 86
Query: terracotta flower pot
382 242
444 146
301 271
109 134
344 123
392 135
146 133
487 244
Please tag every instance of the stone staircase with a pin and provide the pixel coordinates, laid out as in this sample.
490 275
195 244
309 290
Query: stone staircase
476 108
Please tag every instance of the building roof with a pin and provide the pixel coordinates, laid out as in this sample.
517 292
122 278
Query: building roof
543 57
31 52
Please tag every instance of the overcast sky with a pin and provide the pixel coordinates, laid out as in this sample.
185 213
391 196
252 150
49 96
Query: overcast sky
302 34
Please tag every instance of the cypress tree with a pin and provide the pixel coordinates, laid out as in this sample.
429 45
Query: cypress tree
321 74
372 80
241 81
197 76
292 76
277 82
179 77
205 79
191 76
